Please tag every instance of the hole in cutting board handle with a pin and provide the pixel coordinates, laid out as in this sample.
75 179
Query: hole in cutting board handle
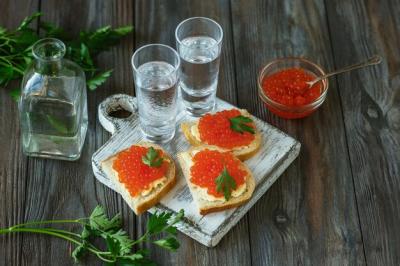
116 111
119 107
119 112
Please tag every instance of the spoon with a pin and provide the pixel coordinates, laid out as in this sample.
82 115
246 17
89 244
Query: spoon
374 60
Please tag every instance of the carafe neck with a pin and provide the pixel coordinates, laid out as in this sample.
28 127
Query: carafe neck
48 54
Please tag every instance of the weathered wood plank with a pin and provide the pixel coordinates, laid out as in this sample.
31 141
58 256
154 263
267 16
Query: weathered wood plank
58 189
12 162
156 21
309 216
371 108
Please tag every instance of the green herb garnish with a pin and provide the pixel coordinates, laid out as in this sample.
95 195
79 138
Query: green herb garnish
152 158
118 244
58 124
16 46
15 93
239 124
225 184
99 79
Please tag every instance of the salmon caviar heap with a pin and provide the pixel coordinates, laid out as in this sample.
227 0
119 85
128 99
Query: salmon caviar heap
209 164
133 173
215 129
289 87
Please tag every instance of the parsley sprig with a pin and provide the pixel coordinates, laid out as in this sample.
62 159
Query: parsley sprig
225 184
152 158
16 49
119 245
240 124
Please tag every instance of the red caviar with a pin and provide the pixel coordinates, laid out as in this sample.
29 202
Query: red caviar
133 173
289 87
209 164
215 129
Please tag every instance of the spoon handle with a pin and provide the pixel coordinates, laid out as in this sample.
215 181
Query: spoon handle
374 60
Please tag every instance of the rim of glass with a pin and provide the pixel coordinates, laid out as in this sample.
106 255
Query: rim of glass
317 102
160 45
194 18
60 44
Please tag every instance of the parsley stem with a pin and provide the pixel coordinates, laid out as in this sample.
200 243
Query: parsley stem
141 239
19 70
59 234
7 39
5 60
47 222
63 232
2 50
39 231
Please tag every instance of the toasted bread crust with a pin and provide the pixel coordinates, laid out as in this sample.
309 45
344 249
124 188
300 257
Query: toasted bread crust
186 129
140 204
222 208
243 155
141 208
206 207
251 152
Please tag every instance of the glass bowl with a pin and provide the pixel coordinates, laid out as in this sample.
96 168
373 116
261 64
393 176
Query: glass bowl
292 112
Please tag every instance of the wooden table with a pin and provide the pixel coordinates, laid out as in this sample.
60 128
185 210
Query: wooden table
337 204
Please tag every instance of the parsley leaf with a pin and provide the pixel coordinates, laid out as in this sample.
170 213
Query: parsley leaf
152 158
16 45
118 244
239 124
78 252
52 30
85 55
164 222
58 124
99 79
15 93
103 38
98 220
6 73
137 259
225 184
169 243
25 23
157 222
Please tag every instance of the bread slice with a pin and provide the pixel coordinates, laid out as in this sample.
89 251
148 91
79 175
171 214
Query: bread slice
205 205
141 203
243 153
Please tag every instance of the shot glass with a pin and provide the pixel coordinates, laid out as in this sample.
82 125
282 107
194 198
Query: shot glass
155 71
199 42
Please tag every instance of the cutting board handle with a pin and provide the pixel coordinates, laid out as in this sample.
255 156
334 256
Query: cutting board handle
110 106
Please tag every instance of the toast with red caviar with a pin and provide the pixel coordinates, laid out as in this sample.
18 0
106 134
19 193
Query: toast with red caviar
216 178
233 130
142 174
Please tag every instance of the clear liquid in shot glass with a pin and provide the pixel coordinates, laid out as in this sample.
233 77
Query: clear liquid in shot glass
157 96
199 73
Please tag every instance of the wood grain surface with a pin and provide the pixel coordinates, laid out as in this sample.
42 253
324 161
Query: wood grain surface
13 165
338 204
309 216
371 108
158 25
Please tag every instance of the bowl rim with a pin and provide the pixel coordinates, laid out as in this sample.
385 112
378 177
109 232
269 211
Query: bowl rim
293 109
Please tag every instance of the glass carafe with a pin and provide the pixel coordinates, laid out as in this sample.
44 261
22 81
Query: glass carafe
53 104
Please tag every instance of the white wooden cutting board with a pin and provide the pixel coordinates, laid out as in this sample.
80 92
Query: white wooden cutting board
277 152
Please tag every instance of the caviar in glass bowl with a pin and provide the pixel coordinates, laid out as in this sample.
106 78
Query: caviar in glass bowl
282 87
